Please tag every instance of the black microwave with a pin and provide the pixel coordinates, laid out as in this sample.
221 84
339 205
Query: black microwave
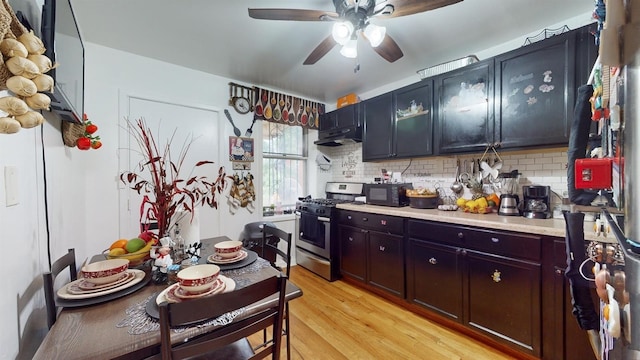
387 194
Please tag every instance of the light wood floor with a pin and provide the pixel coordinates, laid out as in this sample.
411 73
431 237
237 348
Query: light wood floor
336 320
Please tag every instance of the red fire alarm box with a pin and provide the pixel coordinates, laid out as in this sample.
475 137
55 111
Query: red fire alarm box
593 173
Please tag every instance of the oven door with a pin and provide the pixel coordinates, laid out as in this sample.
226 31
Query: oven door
314 234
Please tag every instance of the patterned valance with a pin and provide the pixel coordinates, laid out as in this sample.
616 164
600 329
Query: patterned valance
286 109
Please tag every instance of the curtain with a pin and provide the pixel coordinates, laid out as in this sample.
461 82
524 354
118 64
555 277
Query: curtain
286 109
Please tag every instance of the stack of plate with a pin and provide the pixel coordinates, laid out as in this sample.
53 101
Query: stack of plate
175 293
84 289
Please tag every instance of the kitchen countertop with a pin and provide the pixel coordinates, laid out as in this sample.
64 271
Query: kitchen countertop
548 227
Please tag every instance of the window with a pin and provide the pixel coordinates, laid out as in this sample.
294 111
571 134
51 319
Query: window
284 157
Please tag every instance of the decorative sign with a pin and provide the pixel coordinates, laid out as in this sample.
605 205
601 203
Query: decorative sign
286 109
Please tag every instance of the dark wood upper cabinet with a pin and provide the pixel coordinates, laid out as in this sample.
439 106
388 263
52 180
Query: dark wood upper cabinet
378 127
536 86
465 108
399 124
346 116
414 120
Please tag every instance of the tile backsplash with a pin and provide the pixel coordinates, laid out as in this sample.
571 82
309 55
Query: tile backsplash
541 167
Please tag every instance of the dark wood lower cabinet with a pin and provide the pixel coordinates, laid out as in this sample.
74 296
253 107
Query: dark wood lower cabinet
504 288
386 262
434 278
504 299
353 247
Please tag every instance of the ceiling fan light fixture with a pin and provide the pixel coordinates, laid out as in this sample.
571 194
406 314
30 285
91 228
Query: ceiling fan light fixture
375 34
342 31
350 49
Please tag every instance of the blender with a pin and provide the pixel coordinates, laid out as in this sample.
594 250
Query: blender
509 199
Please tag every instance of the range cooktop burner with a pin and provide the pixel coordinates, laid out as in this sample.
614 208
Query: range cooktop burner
325 202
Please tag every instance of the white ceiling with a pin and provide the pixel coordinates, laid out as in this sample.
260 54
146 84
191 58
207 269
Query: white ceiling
219 37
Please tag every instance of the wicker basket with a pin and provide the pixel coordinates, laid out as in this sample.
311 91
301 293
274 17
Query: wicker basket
71 132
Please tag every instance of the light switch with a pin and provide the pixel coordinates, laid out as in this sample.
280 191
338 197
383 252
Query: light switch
11 185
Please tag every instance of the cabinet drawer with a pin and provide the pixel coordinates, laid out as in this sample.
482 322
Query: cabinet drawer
383 223
522 246
442 233
517 245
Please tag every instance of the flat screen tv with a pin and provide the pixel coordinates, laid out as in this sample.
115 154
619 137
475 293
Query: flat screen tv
61 38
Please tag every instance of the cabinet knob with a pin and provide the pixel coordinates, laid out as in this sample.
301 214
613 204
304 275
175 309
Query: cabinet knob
365 219
495 240
350 238
496 276
382 248
463 252
559 271
460 235
349 217
433 261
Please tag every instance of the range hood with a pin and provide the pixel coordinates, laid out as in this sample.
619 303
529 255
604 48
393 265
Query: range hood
337 137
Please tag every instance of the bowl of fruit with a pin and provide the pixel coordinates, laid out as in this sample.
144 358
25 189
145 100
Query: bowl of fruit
136 250
480 204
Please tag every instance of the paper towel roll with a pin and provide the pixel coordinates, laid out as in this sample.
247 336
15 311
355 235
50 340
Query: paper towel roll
189 227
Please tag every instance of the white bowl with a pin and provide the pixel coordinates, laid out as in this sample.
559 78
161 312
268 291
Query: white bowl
228 249
198 278
104 272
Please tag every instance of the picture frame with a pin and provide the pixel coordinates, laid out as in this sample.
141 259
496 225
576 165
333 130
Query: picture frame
241 149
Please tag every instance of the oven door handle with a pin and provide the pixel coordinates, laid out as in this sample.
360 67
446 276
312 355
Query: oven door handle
322 218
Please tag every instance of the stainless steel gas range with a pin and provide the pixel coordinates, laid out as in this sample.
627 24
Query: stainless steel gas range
317 247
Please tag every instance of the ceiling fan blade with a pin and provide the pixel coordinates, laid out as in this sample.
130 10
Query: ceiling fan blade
389 49
321 50
292 14
409 7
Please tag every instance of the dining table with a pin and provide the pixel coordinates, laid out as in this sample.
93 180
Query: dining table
126 326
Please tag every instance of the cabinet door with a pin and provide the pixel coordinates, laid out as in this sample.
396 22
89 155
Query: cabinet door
327 121
347 116
414 120
378 120
386 265
353 252
465 108
504 300
434 278
536 88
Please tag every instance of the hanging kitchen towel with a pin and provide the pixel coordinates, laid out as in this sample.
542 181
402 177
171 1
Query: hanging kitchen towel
578 139
583 306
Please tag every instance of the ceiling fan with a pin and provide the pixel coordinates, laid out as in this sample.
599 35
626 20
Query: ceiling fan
352 17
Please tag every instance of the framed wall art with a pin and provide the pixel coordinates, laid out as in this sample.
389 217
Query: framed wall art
240 149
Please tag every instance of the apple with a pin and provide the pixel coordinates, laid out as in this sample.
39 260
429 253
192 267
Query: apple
147 236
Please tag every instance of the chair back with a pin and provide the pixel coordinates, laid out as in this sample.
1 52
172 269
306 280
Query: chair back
49 278
268 245
198 310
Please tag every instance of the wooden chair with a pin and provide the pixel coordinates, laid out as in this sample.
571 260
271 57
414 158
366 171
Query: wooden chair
49 278
270 232
229 341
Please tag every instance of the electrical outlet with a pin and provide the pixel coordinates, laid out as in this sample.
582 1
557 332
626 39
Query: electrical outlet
11 185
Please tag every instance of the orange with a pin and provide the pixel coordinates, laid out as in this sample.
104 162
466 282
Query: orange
118 244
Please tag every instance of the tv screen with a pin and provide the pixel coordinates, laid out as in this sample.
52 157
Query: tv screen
62 40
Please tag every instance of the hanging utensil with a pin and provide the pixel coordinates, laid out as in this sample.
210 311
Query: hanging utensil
249 131
235 128
259 109
457 186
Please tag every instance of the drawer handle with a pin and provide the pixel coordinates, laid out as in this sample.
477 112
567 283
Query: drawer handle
382 248
460 235
350 238
365 219
496 276
433 261
495 240
349 217
559 271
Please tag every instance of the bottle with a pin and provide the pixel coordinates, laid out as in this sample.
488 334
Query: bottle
178 250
